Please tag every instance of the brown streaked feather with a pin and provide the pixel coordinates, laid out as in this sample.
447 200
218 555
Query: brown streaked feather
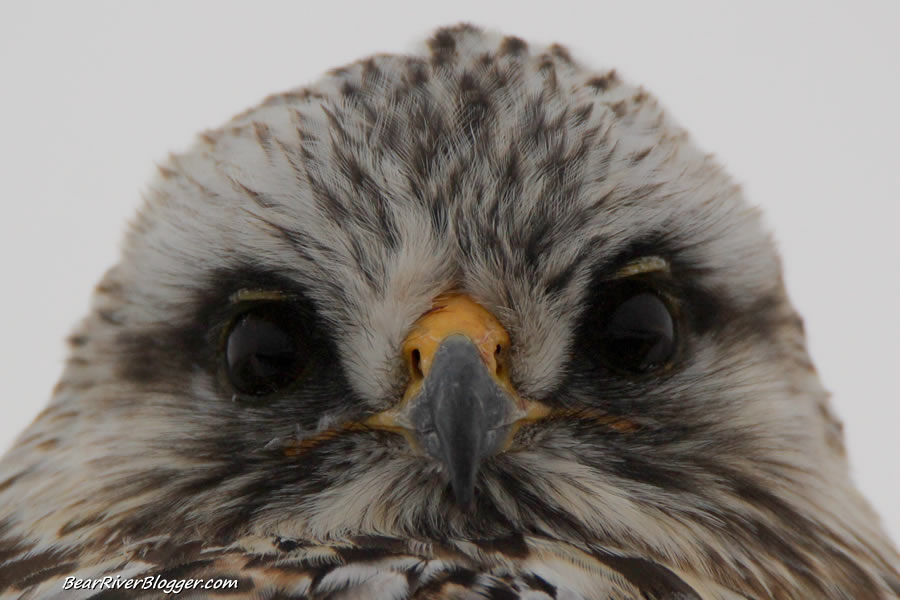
361 567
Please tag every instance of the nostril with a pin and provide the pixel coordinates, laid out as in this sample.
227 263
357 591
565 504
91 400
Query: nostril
415 363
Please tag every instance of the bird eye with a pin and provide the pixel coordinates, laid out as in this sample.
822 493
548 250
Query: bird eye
265 351
637 334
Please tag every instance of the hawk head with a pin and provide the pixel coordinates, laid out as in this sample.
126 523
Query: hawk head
477 293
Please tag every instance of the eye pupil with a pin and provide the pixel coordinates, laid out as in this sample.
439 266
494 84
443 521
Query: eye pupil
639 333
264 352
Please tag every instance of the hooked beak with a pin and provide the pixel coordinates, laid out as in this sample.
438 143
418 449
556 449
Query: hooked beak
459 406
462 414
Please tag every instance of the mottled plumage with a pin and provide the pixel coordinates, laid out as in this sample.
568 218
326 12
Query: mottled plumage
513 176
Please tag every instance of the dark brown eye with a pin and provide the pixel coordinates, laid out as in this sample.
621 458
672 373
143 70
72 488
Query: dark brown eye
638 333
266 350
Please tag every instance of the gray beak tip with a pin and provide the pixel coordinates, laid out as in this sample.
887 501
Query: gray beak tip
458 414
465 498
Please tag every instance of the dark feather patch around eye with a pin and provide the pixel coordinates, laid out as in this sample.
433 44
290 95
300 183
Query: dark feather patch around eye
166 353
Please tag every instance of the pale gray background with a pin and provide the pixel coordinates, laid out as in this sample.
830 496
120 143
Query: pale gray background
801 101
